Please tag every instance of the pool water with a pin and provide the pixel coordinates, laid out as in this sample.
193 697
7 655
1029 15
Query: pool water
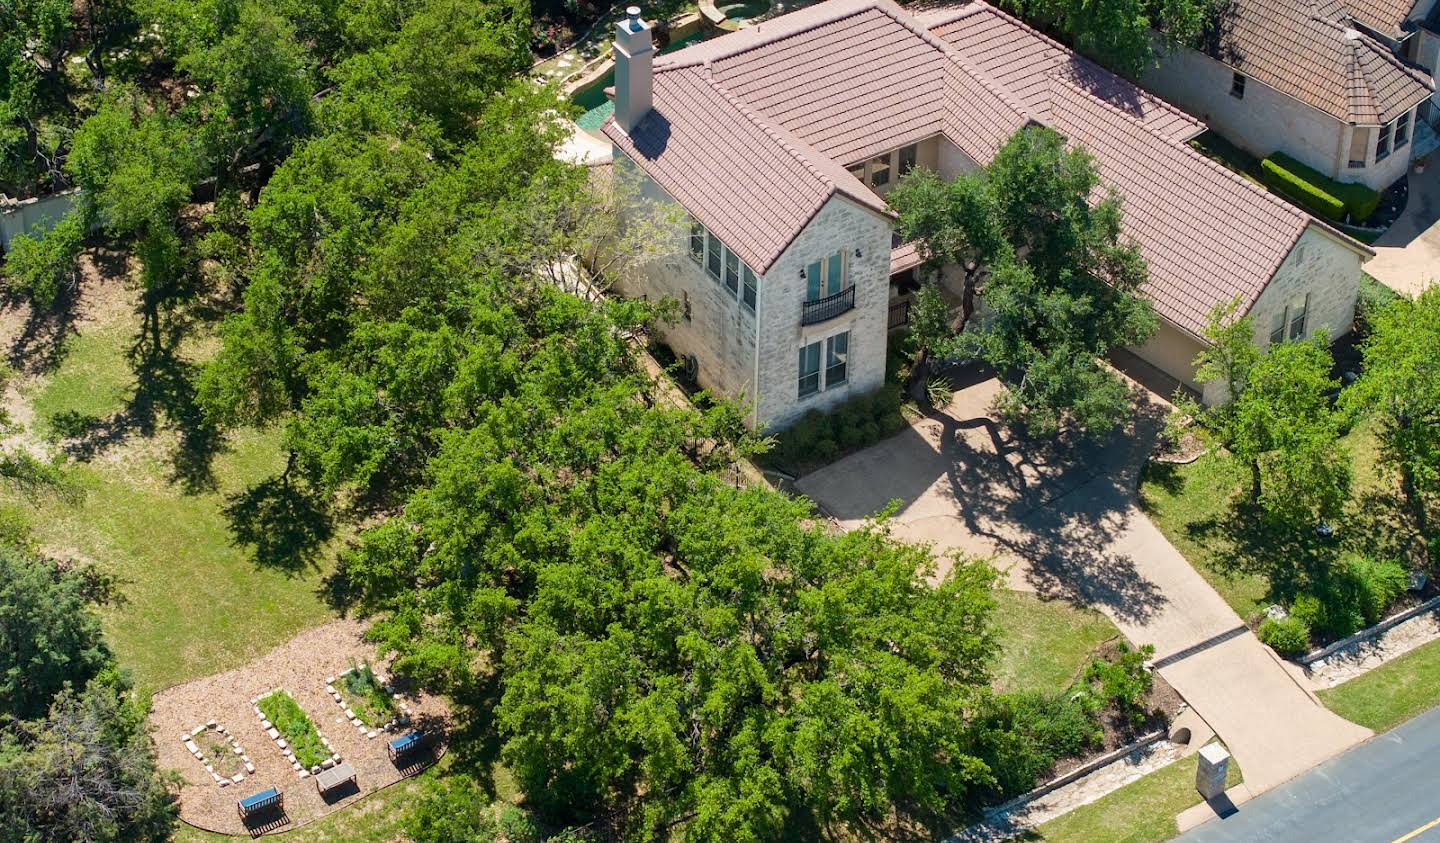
598 106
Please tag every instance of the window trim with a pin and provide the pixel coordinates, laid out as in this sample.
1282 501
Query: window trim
824 347
1396 140
1383 146
824 264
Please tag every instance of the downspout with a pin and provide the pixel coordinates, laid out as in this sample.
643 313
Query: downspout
759 305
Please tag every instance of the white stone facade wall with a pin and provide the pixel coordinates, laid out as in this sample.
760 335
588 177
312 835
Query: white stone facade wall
840 225
1172 351
1265 121
1328 271
720 331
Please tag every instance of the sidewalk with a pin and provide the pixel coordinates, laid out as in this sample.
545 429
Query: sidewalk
1407 256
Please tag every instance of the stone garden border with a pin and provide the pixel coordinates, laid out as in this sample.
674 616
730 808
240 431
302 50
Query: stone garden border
188 739
284 746
403 719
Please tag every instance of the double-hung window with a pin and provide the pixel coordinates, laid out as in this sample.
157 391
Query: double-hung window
834 351
750 288
1289 322
1237 86
697 241
1402 130
732 272
826 277
810 369
715 256
1382 144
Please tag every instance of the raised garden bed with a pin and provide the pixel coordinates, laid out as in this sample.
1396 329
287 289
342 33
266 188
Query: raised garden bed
221 754
290 727
368 700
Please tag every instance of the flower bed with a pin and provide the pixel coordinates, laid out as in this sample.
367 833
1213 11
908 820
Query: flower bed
368 702
293 732
224 759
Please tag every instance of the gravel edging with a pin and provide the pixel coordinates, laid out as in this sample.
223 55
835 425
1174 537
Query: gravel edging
301 666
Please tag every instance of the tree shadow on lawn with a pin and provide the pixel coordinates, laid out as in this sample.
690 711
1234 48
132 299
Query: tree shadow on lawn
164 396
287 526
42 343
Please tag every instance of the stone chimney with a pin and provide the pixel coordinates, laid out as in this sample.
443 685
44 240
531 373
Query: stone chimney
634 70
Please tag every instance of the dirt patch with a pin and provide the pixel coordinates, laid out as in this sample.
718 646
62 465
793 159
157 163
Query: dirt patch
301 666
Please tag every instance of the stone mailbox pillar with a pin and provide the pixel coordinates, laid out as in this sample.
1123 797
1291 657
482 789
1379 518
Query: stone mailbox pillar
1210 775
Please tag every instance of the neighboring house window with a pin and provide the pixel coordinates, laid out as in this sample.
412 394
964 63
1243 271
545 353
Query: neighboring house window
837 349
732 272
1359 146
750 291
836 352
885 169
1237 86
1382 145
712 264
1402 130
824 278
697 241
810 369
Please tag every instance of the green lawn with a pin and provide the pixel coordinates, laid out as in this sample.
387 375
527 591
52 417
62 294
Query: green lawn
1044 643
1140 812
194 601
1392 693
1192 506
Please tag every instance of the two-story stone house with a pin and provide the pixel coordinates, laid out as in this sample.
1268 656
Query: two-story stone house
780 141
1341 85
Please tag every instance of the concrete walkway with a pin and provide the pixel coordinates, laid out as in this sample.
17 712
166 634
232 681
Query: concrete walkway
1061 519
1407 256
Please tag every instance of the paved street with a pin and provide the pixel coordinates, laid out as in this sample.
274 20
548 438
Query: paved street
1061 517
1378 792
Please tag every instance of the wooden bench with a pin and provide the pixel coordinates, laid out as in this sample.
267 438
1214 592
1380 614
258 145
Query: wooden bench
257 802
406 743
332 778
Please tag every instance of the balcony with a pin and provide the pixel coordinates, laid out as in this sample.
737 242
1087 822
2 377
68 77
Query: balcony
827 308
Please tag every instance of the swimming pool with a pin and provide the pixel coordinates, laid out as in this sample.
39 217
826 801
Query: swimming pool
592 97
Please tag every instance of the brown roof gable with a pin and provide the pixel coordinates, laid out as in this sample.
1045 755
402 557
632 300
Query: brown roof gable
756 156
1312 53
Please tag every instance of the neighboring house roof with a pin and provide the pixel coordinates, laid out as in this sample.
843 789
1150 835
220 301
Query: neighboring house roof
750 133
1314 54
1025 61
1386 17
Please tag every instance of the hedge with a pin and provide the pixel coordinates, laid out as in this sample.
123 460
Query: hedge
1319 193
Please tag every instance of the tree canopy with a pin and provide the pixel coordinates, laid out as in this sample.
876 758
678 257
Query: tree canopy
1060 281
1123 34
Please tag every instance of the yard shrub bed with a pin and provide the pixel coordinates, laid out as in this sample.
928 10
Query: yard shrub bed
1319 193
365 695
295 726
822 437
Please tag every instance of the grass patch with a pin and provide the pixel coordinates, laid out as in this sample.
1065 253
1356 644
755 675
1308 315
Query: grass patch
290 719
1392 693
1140 812
1044 644
93 382
365 695
219 753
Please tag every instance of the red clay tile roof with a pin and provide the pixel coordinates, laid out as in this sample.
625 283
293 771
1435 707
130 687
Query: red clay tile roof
751 130
1313 54
1025 61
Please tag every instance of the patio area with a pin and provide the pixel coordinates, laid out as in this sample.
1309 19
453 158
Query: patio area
220 712
1407 256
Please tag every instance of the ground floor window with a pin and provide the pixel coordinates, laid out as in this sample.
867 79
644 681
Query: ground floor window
836 352
1289 322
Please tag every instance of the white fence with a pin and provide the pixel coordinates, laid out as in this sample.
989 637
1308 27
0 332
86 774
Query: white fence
33 215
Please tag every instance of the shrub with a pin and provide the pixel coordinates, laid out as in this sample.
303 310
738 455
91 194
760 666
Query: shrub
1123 681
290 720
43 264
858 423
1373 297
452 810
1289 636
1377 584
1023 734
1323 195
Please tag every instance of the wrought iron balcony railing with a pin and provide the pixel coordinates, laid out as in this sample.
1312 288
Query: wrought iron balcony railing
827 308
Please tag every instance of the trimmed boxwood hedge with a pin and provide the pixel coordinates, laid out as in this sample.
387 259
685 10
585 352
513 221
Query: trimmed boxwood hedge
1319 193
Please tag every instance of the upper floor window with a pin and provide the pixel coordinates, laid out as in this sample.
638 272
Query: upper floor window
879 170
723 264
697 241
825 277
1289 322
732 272
1237 85
1382 143
1402 130
716 253
750 289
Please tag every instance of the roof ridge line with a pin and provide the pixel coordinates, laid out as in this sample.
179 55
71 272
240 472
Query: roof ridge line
755 36
912 23
768 128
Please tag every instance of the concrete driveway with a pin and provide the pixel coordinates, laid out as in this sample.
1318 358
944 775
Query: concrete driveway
1407 256
1060 518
